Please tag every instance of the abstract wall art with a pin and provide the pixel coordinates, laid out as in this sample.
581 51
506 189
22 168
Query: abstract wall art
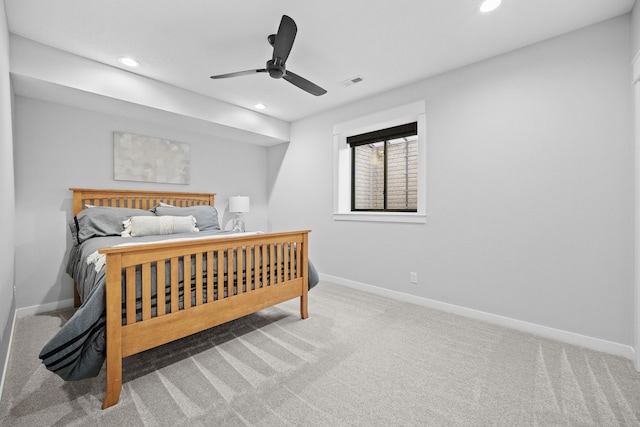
149 159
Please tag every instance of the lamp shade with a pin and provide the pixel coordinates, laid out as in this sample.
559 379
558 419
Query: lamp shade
239 204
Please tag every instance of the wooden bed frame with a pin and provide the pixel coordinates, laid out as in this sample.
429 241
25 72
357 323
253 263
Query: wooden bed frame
283 278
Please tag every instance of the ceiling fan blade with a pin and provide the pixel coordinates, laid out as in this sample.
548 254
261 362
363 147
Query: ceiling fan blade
239 73
284 39
303 83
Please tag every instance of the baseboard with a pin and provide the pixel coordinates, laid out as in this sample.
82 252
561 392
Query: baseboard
43 308
5 365
592 343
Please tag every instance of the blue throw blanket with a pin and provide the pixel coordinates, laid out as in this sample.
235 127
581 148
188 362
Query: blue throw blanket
78 350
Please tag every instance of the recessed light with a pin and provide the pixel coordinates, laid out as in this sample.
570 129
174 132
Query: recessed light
489 5
129 62
351 81
260 106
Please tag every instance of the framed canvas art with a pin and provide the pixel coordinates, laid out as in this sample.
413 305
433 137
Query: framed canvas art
149 159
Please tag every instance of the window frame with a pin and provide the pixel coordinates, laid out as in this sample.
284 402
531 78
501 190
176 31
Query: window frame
413 112
384 136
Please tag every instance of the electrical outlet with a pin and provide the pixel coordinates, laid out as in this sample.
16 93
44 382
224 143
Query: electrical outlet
414 277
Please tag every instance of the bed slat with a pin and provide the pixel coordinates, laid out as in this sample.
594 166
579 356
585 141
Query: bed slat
130 277
251 271
174 295
186 288
199 270
146 291
209 276
228 283
263 266
161 291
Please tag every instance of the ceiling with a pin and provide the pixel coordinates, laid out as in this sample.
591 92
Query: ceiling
387 44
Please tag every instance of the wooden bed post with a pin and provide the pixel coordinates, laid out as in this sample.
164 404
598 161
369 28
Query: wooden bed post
304 298
77 207
113 296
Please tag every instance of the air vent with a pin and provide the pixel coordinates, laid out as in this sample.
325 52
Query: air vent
352 80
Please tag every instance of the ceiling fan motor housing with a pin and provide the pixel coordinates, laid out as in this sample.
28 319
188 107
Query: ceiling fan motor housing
275 69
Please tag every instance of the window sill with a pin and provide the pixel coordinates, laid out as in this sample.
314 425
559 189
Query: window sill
413 218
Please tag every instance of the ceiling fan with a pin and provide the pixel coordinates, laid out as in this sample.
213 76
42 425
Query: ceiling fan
282 43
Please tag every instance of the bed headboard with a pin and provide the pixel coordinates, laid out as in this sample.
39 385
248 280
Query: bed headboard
139 199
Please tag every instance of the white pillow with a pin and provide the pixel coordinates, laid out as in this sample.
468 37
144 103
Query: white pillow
138 226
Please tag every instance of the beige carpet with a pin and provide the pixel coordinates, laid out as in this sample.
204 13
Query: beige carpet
359 360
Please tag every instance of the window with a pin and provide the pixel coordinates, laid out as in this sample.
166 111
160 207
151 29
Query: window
384 169
397 135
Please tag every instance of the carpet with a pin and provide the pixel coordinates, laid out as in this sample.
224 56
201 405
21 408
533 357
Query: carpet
358 360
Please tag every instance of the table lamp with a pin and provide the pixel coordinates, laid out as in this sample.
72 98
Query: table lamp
238 205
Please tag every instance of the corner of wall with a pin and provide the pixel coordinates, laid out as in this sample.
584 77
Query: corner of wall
7 193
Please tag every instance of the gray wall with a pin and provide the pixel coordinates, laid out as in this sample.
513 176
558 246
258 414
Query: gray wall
530 186
7 302
635 36
635 28
57 147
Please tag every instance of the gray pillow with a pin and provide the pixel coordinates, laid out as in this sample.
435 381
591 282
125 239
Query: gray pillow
101 221
206 215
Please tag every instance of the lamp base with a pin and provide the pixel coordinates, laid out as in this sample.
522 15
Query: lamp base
238 224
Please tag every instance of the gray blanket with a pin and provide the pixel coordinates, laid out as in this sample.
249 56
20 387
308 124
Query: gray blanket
78 350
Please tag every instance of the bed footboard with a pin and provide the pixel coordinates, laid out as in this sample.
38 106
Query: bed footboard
162 292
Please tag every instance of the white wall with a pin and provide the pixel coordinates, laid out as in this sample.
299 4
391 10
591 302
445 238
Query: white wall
635 36
57 147
7 211
530 185
635 28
